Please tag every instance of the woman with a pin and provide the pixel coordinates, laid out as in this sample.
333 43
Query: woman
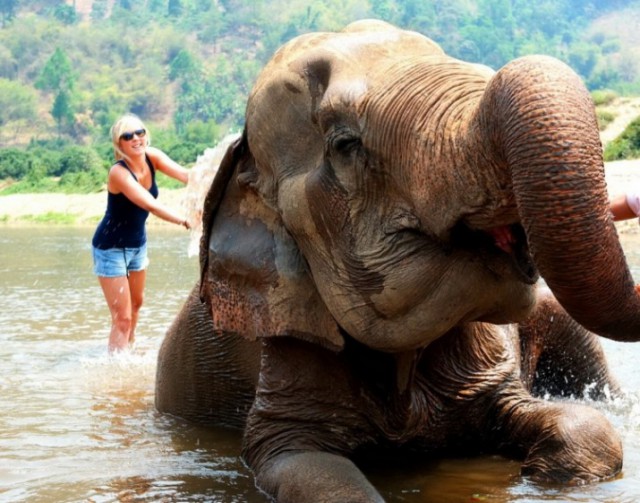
120 241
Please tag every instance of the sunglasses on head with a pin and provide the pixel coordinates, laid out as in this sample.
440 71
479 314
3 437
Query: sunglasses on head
128 136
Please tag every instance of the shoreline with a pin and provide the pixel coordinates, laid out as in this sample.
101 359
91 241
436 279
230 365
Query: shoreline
78 210
26 210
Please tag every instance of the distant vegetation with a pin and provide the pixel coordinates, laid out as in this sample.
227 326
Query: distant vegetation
625 146
186 66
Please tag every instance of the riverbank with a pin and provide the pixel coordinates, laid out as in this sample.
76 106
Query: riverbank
70 209
87 209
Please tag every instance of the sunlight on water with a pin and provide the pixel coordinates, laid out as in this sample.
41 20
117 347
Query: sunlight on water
79 425
75 423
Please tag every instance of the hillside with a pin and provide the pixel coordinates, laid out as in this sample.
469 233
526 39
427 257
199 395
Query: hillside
625 110
621 25
183 62
69 68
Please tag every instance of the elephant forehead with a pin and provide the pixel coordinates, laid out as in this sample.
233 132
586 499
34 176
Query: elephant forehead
349 51
367 43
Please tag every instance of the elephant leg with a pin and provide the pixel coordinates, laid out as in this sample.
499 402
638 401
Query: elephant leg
560 357
205 376
309 415
317 477
560 442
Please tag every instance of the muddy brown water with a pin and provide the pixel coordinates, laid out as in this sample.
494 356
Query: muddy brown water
78 425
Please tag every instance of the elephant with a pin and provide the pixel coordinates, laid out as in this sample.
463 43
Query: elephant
405 252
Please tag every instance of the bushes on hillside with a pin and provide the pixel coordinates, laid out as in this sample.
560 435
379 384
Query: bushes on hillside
14 163
625 146
602 97
58 167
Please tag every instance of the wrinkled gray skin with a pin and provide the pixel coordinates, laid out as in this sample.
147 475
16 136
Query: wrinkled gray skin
354 294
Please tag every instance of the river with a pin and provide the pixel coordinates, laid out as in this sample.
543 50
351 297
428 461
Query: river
78 425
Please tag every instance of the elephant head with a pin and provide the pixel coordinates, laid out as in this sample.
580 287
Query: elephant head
388 191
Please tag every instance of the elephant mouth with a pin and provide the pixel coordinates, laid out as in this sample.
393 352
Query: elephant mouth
500 242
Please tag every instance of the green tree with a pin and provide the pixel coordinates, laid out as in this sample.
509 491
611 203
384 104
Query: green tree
63 111
175 8
66 14
17 102
210 25
14 163
625 146
46 157
58 77
184 66
57 74
8 64
158 7
207 133
385 9
8 10
583 58
98 9
203 5
83 182
76 159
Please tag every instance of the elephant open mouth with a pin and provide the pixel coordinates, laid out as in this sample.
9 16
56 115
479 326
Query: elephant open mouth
509 240
520 255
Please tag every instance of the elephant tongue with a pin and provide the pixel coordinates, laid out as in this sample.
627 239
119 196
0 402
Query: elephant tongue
503 237
512 240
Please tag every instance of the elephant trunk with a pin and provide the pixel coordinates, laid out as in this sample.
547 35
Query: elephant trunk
542 126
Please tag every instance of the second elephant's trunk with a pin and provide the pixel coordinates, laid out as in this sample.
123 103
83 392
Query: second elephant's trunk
542 125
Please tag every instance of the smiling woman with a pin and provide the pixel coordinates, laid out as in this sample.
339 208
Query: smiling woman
120 241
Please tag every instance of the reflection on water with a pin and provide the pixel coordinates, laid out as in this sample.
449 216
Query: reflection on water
78 425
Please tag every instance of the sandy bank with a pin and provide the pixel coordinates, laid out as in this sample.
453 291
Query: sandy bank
86 209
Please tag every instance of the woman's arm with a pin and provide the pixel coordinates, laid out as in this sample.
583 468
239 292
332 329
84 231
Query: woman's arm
162 162
120 180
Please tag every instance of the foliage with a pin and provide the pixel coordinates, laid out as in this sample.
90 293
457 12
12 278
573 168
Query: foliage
8 10
17 102
57 73
77 159
91 180
52 217
603 97
31 186
62 110
14 163
58 77
66 14
53 167
625 146
605 118
187 66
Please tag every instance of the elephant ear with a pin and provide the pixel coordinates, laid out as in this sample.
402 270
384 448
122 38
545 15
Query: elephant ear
252 273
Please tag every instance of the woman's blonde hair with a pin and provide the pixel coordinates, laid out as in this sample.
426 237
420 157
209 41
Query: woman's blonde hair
128 122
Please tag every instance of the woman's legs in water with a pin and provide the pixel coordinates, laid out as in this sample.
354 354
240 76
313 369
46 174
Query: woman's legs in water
124 296
137 281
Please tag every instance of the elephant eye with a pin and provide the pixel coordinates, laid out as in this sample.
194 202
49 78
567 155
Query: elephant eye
344 142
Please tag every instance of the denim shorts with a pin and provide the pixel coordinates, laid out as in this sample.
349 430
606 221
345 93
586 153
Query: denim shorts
119 261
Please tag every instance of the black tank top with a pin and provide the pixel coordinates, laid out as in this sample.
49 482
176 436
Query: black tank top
123 224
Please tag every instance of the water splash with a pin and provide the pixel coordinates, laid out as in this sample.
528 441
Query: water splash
200 178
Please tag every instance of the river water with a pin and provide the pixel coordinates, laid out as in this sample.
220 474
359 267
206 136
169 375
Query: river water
78 425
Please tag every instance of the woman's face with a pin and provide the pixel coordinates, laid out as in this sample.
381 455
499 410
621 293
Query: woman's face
133 139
